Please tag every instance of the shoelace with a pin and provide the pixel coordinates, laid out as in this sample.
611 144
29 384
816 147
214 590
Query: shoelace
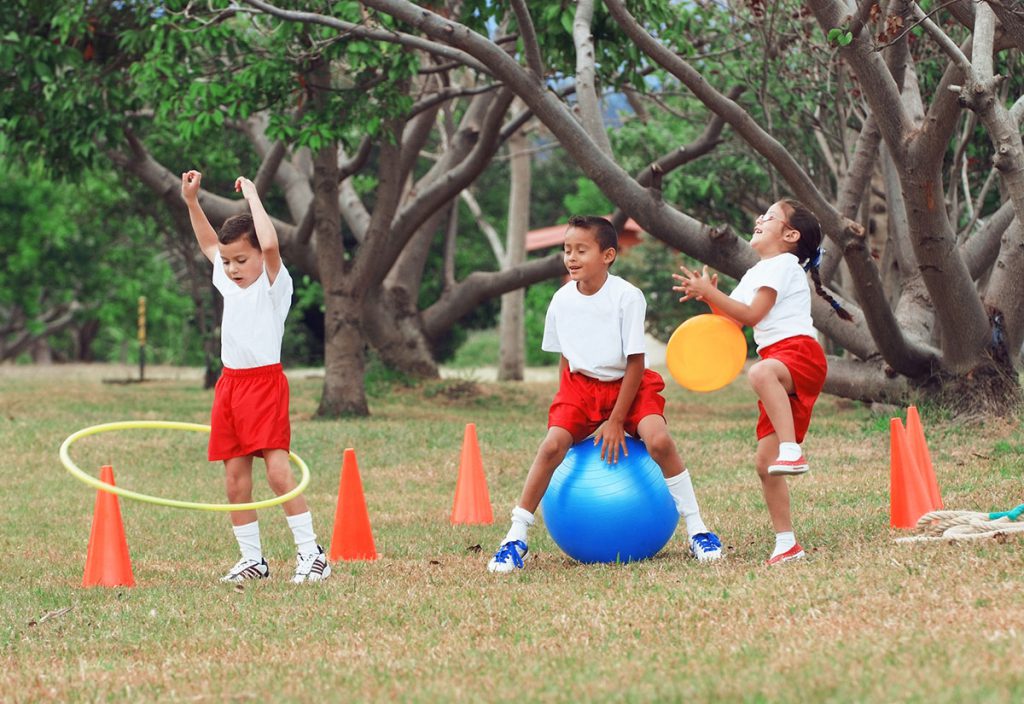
707 541
512 549
306 563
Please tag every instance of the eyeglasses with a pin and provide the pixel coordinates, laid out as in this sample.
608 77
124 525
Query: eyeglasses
768 217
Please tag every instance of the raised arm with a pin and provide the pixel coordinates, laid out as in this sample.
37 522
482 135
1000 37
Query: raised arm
205 234
265 231
704 287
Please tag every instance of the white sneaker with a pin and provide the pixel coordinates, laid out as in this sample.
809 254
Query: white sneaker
247 568
313 567
706 547
509 557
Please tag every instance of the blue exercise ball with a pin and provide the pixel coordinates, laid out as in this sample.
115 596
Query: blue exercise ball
601 512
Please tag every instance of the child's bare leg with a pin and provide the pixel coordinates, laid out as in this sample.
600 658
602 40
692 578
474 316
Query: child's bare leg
774 487
238 481
549 455
281 480
300 520
776 495
773 384
653 430
662 448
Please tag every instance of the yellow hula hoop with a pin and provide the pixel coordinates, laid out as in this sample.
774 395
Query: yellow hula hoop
69 465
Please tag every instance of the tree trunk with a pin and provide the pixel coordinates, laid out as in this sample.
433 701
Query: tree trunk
344 391
512 354
392 317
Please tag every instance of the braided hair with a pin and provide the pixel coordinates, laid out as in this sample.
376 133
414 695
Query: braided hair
808 249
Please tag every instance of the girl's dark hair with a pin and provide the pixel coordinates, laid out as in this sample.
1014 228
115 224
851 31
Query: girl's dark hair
237 227
803 221
604 231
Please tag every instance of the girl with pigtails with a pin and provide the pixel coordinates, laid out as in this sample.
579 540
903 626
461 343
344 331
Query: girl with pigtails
774 298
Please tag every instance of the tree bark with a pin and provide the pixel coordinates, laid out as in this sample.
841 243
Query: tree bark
512 347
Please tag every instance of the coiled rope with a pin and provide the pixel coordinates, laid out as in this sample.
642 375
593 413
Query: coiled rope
966 525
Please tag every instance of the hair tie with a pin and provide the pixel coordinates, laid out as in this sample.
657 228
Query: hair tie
835 304
815 261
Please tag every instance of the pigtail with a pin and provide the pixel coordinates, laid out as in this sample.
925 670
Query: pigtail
809 251
820 289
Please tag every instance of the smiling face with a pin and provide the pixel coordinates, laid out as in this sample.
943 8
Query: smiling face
772 232
586 261
242 262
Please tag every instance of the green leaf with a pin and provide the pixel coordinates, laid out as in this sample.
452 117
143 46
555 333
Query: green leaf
567 19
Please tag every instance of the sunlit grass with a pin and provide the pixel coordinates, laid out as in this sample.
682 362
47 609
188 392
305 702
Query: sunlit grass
863 619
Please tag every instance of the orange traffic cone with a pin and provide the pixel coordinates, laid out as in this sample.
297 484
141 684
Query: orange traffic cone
919 449
472 503
353 538
908 493
107 563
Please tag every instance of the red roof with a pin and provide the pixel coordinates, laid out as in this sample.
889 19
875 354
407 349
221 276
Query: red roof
552 236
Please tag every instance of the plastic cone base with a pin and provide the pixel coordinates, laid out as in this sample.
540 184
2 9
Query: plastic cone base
472 504
107 563
353 537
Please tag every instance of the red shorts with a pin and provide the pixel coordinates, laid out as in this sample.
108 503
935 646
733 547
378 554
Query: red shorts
583 403
250 413
806 363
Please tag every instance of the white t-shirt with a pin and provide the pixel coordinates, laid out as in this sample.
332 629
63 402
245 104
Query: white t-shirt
253 325
596 333
791 314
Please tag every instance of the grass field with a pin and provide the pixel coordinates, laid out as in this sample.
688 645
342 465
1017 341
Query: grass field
863 619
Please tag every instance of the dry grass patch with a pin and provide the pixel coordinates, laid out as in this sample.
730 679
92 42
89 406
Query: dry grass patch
863 619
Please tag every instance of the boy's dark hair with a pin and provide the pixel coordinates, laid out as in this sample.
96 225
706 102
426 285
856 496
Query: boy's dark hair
807 251
237 227
604 231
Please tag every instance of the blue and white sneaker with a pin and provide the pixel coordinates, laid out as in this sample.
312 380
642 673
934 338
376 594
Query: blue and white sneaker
509 557
706 547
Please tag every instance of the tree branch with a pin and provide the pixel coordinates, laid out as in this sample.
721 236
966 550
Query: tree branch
484 285
586 76
529 36
370 33
710 138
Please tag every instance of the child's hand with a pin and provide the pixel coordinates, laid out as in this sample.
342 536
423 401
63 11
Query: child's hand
190 185
246 187
611 437
694 285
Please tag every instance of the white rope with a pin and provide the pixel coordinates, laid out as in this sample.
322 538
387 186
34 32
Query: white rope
961 525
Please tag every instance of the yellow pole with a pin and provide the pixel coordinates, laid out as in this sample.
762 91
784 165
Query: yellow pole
142 338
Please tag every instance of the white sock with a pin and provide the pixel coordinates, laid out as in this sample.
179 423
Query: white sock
783 542
521 522
681 489
248 537
302 529
789 451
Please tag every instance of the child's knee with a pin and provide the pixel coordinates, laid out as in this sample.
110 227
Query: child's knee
661 447
552 450
759 375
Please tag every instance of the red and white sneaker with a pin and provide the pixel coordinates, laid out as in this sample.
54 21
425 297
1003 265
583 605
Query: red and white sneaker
794 553
797 466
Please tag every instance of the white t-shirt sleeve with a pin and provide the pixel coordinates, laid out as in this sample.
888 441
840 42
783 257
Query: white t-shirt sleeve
791 314
634 310
773 274
280 292
549 343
